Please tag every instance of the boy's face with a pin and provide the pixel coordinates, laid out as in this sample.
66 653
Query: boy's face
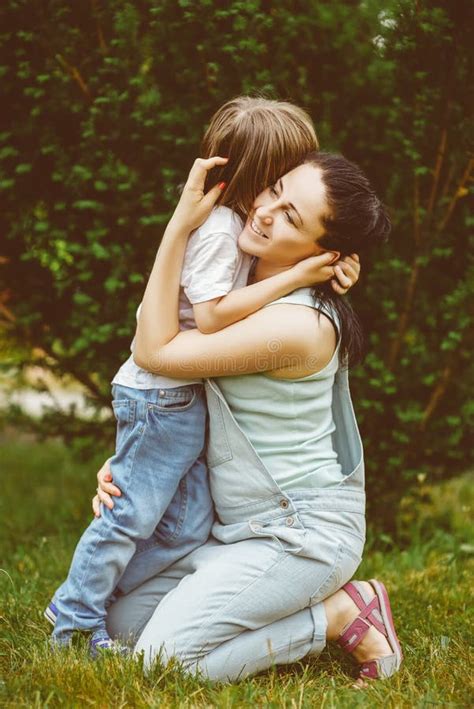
285 223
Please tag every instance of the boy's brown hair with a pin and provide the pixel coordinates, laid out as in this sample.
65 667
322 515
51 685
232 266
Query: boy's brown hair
263 140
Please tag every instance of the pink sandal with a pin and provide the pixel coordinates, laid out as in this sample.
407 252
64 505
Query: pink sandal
376 612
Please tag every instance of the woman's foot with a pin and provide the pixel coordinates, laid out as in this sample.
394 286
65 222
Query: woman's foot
360 620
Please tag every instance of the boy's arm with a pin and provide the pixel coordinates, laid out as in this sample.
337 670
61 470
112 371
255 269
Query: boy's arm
215 314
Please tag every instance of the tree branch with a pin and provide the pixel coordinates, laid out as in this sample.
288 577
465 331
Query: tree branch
100 34
75 75
460 192
6 312
437 393
82 378
415 266
412 281
406 310
447 183
437 169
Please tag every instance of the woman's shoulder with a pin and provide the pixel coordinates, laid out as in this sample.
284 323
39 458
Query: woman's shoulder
302 321
307 334
304 296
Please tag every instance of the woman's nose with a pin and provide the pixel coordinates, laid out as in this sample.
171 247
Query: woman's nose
264 215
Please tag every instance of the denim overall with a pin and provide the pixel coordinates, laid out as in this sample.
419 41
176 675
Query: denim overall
247 499
252 596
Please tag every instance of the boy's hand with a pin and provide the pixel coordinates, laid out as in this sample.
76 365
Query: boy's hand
314 269
319 269
346 272
194 206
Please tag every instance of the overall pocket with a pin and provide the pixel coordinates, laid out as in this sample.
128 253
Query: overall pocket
218 449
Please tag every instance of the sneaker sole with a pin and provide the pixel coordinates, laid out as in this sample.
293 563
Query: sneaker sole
96 651
50 616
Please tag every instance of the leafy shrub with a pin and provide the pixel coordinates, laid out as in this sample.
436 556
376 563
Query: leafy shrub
104 106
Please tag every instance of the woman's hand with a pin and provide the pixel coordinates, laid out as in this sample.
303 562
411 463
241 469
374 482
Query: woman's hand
346 272
194 206
105 490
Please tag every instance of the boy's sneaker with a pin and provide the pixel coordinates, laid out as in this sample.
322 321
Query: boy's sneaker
51 613
100 642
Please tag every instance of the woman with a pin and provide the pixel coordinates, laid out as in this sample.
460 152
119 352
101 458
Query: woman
284 453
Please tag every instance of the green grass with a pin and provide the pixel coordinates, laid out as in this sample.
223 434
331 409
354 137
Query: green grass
44 503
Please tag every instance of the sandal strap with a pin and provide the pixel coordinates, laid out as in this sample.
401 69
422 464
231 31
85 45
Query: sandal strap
352 590
369 607
381 668
353 634
373 615
369 670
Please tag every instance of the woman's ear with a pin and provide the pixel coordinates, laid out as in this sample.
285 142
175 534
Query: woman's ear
336 255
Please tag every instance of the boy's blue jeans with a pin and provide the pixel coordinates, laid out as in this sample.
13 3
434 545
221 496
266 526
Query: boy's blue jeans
165 510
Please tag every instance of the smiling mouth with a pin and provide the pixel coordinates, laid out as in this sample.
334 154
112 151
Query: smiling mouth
256 230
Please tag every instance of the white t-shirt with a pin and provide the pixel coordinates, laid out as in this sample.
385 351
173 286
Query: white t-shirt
213 266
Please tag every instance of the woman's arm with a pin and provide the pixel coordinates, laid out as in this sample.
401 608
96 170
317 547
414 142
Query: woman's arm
280 336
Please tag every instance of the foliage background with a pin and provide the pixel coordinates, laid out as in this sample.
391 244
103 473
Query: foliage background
103 108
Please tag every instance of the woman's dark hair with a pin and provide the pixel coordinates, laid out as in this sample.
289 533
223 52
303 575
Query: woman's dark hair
357 221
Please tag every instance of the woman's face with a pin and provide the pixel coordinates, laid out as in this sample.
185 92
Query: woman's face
285 223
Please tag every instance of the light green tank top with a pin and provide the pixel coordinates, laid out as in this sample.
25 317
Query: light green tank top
289 422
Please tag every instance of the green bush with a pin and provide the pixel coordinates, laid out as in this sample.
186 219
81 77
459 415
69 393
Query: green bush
103 109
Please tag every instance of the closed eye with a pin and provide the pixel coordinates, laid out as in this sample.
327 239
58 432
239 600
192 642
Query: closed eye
274 192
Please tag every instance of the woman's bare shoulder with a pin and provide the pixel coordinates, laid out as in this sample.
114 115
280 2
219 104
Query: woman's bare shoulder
312 332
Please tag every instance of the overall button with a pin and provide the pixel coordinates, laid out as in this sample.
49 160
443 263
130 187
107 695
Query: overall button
290 521
284 504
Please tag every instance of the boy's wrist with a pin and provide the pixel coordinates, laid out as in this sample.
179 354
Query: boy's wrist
307 275
300 276
178 228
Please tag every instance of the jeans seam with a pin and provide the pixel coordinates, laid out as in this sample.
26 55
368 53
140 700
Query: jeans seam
182 513
101 529
132 457
131 411
93 551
